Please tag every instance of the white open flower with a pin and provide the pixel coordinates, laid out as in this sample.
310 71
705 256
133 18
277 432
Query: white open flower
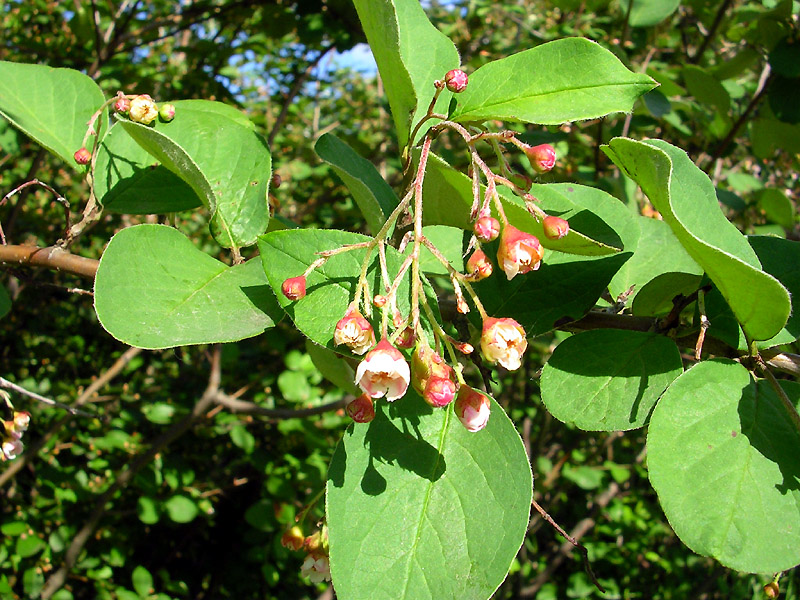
503 341
317 568
383 372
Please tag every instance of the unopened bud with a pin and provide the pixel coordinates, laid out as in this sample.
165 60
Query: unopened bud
294 288
166 112
541 157
486 229
465 348
771 590
555 228
456 81
293 539
82 156
439 391
379 301
122 105
362 409
406 338
276 181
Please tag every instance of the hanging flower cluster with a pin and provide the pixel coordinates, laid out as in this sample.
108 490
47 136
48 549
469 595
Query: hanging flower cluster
384 371
316 566
13 425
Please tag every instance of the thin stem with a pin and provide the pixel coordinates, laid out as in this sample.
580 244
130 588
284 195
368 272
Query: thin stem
59 198
415 274
776 386
5 383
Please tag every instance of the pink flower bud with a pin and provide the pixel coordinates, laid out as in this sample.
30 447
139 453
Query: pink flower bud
383 372
361 410
426 363
82 156
439 391
167 112
486 229
478 266
456 81
519 252
503 341
379 301
465 348
293 539
406 338
555 228
143 110
472 408
354 331
541 157
294 288
317 568
122 105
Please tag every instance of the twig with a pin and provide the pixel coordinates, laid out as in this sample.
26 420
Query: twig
704 324
711 32
787 403
59 198
249 408
572 540
5 383
32 449
127 473
52 257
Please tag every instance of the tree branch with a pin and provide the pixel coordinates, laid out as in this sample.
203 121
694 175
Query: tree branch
243 407
51 257
5 383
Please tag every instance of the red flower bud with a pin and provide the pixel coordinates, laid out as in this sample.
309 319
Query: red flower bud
541 157
555 228
362 409
472 408
456 81
82 156
294 288
122 105
486 229
439 391
379 301
426 363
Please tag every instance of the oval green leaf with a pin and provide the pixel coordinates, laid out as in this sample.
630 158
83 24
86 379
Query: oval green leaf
722 456
181 509
685 197
421 509
127 179
52 106
155 289
609 379
373 195
222 158
411 54
564 80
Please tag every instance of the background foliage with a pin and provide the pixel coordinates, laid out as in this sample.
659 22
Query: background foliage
203 518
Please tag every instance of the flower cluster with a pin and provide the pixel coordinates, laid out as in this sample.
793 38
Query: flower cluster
142 109
12 427
316 566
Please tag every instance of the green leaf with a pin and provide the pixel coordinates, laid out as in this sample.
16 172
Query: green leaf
129 180
411 54
5 302
608 379
655 298
686 199
564 80
373 195
447 194
159 413
29 545
227 164
778 208
781 259
706 89
52 106
722 456
33 581
155 289
147 510
333 367
243 439
181 509
658 252
13 528
142 581
565 286
646 13
420 508
330 288
450 242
